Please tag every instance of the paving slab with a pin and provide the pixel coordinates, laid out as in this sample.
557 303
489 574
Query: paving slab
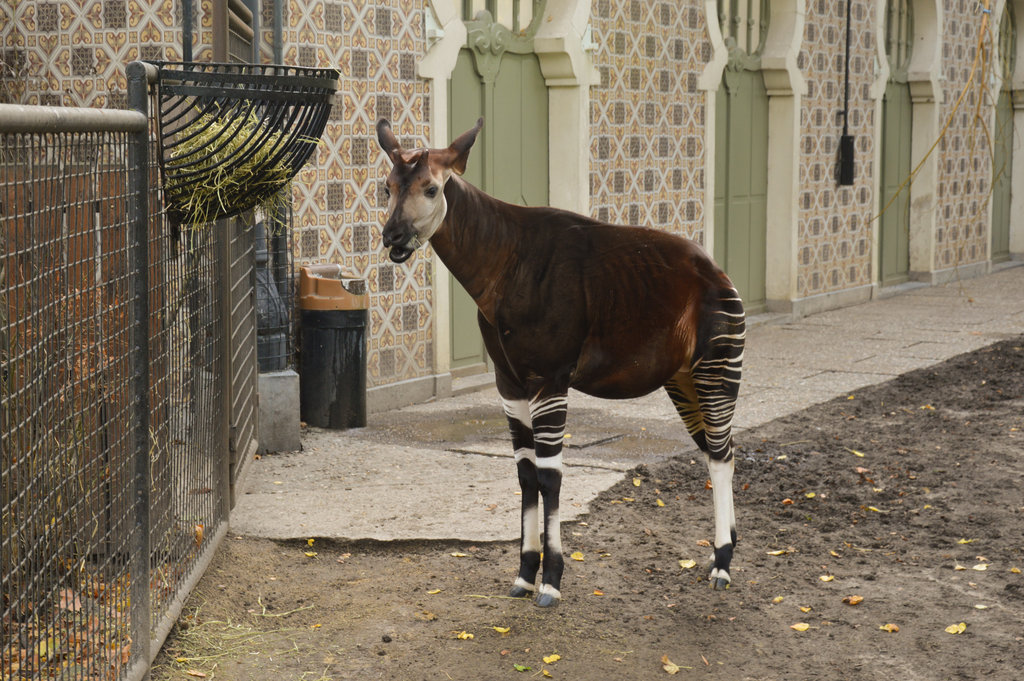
443 469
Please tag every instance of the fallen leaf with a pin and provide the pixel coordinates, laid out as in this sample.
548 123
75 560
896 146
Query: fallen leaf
928 407
810 495
787 501
805 608
637 482
659 502
464 636
826 578
833 554
456 554
545 673
778 599
630 499
316 626
522 668
551 659
965 541
979 606
956 628
778 552
958 567
309 542
668 665
577 555
502 630
687 563
598 592
311 554
196 673
980 567
853 600
876 510
198 534
800 626
1015 570
891 628
856 453
434 591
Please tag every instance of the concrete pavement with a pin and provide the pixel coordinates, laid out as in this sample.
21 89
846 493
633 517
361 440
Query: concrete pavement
443 470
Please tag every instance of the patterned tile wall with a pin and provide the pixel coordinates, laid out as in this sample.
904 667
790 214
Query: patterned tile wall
964 180
339 209
834 223
647 115
73 52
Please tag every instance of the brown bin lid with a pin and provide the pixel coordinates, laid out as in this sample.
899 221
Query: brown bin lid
323 287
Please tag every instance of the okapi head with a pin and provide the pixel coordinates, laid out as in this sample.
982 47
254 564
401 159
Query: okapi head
415 188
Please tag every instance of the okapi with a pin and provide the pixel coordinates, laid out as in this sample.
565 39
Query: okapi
566 301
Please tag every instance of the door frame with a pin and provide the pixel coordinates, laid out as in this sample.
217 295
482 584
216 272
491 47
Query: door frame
1017 100
785 86
563 45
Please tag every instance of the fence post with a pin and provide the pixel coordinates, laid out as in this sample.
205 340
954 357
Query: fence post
138 215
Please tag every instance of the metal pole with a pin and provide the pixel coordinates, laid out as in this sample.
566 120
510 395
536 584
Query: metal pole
138 215
186 32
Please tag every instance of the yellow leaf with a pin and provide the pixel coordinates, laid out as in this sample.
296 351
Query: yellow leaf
551 659
980 567
668 665
311 554
577 555
309 541
833 554
856 453
182 659
628 499
928 407
637 482
659 502
810 495
434 591
780 552
956 628
687 563
979 606
316 626
567 436
826 578
853 600
876 510
598 592
464 636
545 673
800 626
1015 570
965 541
196 673
805 608
502 630
778 599
456 554
958 567
891 628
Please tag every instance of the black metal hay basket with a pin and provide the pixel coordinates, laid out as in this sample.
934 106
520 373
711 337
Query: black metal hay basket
232 136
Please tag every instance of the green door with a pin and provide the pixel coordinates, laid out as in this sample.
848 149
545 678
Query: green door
741 152
510 158
741 183
894 221
1002 153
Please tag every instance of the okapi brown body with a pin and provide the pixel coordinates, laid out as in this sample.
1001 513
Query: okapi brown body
566 301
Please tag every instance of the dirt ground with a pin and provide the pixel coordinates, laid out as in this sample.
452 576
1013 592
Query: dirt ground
908 495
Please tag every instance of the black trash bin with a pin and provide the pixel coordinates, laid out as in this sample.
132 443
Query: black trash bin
332 378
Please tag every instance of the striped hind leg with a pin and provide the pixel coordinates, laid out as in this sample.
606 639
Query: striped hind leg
520 426
705 398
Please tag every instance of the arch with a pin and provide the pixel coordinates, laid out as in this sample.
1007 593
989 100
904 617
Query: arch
924 77
785 87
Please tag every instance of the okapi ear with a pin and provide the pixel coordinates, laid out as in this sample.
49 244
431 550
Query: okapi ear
461 146
387 140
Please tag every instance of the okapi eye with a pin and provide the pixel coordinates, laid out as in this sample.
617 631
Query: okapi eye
387 192
431 191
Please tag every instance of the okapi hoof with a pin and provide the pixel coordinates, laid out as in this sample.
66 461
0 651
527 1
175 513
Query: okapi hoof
548 597
719 583
519 592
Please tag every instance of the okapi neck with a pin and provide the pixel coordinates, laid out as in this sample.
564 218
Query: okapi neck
476 241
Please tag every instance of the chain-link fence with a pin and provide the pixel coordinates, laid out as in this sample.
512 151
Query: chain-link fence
115 394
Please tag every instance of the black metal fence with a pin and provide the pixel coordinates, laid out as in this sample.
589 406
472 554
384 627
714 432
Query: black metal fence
117 406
